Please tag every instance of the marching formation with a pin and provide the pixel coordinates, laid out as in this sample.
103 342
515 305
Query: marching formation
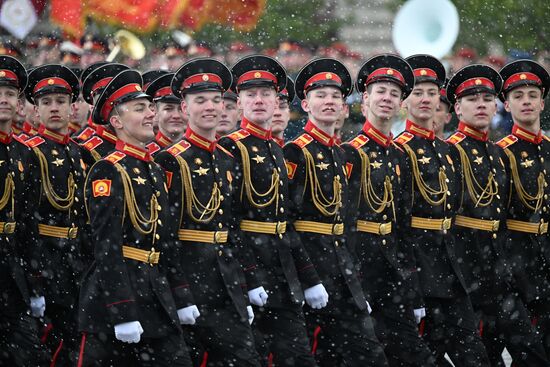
178 228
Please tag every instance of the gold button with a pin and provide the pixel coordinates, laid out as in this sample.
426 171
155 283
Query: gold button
281 236
282 210
220 253
216 170
448 193
220 225
336 243
498 210
544 209
222 198
76 199
159 222
383 242
542 159
384 217
448 206
220 211
546 196
498 197
157 236
159 208
494 235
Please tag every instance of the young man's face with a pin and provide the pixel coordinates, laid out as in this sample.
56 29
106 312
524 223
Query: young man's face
133 121
324 105
203 109
381 101
31 115
442 117
9 103
230 117
257 104
525 104
171 120
54 110
80 112
281 116
477 110
422 101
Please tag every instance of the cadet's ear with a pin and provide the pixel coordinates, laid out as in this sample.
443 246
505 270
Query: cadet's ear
305 104
115 121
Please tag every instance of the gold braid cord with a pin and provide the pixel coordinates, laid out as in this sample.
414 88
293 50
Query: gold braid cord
424 189
190 201
7 196
59 203
249 187
368 191
326 207
525 197
488 192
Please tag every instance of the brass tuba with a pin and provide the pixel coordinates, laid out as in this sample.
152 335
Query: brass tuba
127 43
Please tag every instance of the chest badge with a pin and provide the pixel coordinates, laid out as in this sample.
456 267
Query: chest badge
201 171
425 160
58 162
376 165
479 160
322 166
259 159
140 180
527 163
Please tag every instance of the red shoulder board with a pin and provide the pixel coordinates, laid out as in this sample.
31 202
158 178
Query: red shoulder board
238 135
178 148
456 138
303 140
404 138
22 138
34 141
93 143
359 141
507 141
218 146
153 147
85 134
114 157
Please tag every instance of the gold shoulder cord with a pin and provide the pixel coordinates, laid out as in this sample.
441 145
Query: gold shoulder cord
424 189
8 195
522 194
488 192
192 203
249 187
319 199
368 191
95 155
59 203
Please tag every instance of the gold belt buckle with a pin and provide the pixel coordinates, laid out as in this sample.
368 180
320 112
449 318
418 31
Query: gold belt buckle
73 231
446 223
384 228
496 224
543 227
9 227
217 237
279 228
151 256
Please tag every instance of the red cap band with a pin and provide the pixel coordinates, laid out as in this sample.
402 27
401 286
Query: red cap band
257 74
164 91
100 84
321 77
385 72
425 72
110 102
50 82
522 77
473 83
201 78
8 74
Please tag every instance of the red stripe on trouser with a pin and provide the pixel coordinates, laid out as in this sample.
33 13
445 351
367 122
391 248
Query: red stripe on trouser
480 327
421 327
46 332
81 353
270 360
534 321
204 359
315 340
56 354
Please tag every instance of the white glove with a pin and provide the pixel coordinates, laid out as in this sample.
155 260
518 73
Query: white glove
419 314
316 296
38 306
129 332
250 314
369 308
258 296
188 315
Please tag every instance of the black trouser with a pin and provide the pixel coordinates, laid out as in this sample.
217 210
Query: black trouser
347 337
224 335
450 327
282 333
540 316
397 330
62 339
104 350
506 323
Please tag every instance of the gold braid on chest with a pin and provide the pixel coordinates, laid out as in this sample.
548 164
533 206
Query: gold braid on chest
526 198
8 195
142 224
327 207
191 202
426 191
270 196
376 203
58 202
483 195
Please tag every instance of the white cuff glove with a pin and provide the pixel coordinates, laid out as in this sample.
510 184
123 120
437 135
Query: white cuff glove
369 308
250 314
316 296
129 332
419 314
188 315
38 306
258 296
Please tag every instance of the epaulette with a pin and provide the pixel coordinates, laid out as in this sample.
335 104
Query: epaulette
359 141
218 146
85 134
456 138
152 147
92 143
303 140
178 148
34 141
238 135
22 138
404 138
74 126
114 157
507 141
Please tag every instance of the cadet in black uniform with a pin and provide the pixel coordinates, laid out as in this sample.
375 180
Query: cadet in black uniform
450 323
318 192
200 175
19 343
55 223
478 221
379 211
281 115
133 292
262 191
527 160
